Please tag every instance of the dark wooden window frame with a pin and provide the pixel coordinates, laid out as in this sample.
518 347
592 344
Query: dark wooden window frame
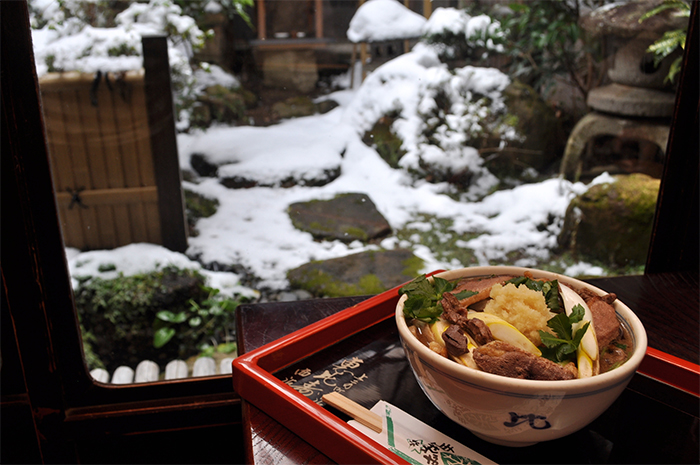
41 342
42 347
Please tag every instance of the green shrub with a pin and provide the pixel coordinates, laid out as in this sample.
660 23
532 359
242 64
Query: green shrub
160 316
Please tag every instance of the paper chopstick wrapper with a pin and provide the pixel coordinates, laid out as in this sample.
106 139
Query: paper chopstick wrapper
405 435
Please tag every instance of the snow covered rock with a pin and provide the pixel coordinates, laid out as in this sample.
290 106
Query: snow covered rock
244 158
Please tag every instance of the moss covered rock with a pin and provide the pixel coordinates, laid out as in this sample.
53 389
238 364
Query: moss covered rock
346 217
198 206
365 273
294 107
221 104
611 223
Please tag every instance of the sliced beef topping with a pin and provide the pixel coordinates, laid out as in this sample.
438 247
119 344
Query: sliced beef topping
605 322
545 369
478 330
503 359
587 294
452 309
482 287
455 341
455 313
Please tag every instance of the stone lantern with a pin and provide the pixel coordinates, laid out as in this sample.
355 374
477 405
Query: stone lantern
637 104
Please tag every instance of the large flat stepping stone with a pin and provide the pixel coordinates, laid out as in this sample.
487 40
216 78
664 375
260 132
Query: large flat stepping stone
364 273
347 217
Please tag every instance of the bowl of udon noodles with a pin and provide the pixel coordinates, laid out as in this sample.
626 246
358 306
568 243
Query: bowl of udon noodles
516 355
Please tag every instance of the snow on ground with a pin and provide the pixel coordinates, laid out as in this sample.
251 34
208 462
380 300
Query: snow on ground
143 258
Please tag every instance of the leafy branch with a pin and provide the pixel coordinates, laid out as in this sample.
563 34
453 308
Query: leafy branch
544 40
671 40
201 318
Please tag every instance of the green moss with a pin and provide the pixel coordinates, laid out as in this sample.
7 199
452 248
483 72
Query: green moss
323 284
104 267
445 243
318 226
217 90
122 50
199 206
356 233
370 284
385 141
639 194
634 195
412 267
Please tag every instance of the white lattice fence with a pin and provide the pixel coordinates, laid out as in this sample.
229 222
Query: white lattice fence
147 371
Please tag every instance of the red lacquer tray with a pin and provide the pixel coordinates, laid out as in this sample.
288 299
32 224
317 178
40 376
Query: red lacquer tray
672 370
254 380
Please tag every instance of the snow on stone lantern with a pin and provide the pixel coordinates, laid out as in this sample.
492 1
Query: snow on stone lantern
637 104
387 26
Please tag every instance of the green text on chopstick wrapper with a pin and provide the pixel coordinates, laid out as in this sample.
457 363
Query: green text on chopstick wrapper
416 442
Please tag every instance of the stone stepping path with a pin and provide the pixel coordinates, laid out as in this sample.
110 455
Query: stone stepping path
346 217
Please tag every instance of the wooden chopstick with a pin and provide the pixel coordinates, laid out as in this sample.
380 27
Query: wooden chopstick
355 410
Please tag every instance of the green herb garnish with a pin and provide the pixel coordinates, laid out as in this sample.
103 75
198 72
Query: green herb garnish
423 302
562 346
550 290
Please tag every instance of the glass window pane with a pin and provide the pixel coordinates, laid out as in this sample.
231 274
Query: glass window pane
317 137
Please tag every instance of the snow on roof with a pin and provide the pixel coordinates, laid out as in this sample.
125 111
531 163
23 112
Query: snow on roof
378 20
446 20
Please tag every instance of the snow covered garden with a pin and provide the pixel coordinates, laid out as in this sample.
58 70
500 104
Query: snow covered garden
246 247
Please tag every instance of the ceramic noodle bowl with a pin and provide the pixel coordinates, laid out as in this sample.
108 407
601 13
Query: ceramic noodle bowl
518 412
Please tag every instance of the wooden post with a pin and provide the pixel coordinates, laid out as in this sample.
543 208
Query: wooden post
318 16
363 59
262 30
161 120
352 65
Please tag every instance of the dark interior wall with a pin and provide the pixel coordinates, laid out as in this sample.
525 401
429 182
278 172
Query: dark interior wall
18 444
